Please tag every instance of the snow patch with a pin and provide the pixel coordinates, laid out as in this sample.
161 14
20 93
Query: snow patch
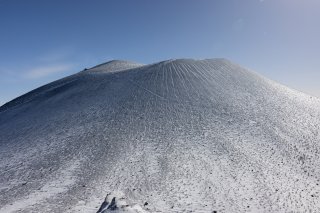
62 181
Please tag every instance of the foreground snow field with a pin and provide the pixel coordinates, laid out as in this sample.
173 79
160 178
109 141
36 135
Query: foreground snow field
175 136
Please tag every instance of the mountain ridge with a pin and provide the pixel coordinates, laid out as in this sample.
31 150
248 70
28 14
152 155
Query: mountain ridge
107 67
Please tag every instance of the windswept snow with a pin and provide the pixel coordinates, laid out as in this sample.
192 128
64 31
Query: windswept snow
60 183
176 136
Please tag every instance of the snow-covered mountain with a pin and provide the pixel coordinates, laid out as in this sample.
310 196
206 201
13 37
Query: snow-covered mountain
176 136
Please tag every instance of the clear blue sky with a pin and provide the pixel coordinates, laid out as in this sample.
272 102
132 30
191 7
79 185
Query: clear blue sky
41 41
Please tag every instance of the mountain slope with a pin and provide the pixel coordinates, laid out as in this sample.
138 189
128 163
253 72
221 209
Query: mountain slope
175 136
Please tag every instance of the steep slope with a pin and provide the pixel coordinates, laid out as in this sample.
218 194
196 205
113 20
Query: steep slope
175 136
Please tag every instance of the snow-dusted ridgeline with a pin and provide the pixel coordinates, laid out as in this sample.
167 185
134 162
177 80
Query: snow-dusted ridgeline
176 136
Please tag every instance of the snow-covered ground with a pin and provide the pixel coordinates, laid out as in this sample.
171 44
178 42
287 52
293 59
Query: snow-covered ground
176 136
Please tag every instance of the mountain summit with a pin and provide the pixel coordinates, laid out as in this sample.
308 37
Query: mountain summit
175 136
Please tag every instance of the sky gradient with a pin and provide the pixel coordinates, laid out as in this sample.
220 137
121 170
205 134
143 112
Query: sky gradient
42 41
